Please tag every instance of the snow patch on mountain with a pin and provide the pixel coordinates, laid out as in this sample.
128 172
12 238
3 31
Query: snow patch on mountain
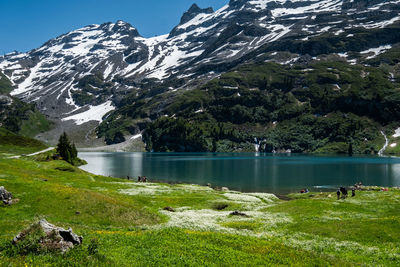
376 51
397 133
382 24
94 113
317 6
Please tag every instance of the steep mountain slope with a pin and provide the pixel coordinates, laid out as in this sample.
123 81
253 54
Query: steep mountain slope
321 106
17 116
79 77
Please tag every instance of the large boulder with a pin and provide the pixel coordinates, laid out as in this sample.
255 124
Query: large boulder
5 196
51 237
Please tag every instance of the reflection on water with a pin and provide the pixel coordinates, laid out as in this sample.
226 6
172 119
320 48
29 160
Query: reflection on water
248 172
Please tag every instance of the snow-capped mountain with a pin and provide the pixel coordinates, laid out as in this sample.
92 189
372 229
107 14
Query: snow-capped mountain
58 75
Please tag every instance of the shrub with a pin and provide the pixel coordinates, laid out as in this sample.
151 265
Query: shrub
93 247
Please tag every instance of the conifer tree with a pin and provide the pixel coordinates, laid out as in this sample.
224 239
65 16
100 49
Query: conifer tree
67 151
74 151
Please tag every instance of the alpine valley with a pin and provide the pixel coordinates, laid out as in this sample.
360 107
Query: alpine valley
258 75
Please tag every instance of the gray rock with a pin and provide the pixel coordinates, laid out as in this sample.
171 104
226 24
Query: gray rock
5 196
238 213
56 238
169 209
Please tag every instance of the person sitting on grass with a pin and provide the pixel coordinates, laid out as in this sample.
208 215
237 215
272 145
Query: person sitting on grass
303 191
344 192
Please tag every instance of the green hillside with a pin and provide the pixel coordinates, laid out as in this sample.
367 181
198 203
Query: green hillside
17 116
322 106
13 144
5 84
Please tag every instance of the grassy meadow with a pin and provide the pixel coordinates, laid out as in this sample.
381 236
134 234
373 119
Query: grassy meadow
124 223
12 144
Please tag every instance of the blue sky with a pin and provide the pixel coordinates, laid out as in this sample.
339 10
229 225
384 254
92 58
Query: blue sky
27 24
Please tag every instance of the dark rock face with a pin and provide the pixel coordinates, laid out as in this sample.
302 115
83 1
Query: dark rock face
237 3
55 238
193 11
5 196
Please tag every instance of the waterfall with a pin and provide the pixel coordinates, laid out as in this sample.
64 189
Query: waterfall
256 144
380 153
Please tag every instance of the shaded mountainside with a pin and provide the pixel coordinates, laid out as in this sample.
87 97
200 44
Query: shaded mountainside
322 106
17 116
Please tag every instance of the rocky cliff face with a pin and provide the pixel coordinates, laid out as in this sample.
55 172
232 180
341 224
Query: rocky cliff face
80 76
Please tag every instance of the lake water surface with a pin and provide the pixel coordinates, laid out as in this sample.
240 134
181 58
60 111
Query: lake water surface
248 171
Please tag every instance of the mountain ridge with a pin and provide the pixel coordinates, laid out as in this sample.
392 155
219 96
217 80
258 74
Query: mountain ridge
89 71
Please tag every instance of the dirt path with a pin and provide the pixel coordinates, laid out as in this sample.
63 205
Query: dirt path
33 154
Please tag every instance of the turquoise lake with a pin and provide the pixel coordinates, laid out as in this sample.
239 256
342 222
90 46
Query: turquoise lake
249 172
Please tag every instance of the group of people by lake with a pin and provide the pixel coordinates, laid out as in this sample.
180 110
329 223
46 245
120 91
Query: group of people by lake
343 190
141 179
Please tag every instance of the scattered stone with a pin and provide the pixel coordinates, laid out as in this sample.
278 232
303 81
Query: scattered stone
5 196
169 209
77 212
238 213
45 180
54 238
220 206
225 189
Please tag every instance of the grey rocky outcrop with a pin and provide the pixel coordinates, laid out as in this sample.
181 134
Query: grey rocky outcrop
5 196
55 238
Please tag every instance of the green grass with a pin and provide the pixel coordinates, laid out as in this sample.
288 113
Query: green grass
36 123
12 144
132 229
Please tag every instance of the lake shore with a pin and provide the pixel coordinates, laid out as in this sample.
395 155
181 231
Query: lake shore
248 172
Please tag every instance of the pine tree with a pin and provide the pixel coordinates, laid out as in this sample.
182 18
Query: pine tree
68 157
74 151
67 151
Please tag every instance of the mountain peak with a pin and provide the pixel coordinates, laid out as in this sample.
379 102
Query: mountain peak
193 11
123 28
